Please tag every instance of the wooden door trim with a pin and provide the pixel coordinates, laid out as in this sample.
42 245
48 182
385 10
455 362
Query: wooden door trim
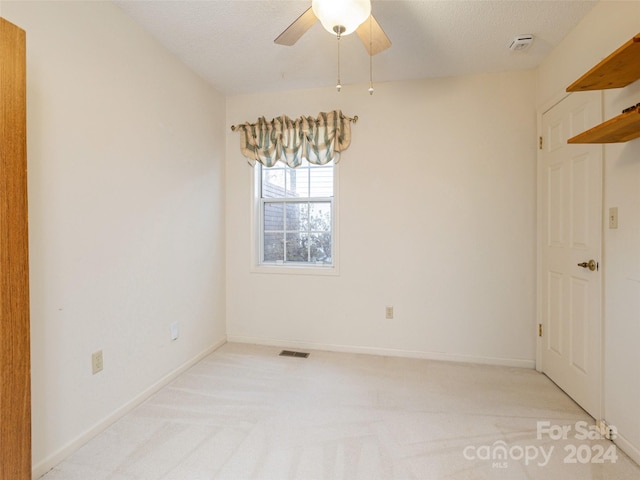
15 387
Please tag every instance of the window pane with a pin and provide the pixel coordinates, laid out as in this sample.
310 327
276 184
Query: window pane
297 216
320 247
273 185
320 217
297 247
273 247
294 230
298 186
273 216
321 182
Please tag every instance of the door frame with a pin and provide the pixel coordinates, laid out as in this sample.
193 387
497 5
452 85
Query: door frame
544 108
539 240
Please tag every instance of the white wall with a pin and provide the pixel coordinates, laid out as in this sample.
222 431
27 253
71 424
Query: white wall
604 29
437 218
126 196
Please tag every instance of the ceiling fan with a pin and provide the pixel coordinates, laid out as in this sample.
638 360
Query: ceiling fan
339 17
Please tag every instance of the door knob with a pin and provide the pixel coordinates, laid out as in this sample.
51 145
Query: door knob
591 265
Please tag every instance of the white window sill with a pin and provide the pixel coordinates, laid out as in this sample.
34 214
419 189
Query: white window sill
319 270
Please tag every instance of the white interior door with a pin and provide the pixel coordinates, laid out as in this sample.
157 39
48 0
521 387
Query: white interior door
570 201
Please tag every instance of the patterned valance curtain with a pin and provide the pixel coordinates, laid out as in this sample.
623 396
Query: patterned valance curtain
317 140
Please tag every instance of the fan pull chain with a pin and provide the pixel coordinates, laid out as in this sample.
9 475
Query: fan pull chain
338 32
371 75
370 59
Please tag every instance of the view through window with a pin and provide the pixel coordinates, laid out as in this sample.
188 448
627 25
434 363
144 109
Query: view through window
296 214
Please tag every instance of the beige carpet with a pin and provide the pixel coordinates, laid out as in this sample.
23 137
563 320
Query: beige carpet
246 413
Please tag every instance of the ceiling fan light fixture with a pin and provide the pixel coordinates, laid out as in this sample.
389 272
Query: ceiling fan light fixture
348 14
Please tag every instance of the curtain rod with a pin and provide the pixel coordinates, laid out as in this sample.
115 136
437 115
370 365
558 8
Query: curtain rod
353 119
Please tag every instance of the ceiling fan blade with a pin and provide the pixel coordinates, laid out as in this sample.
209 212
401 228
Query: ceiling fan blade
298 28
373 37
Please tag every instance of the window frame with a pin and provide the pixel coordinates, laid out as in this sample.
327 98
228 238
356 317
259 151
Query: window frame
257 233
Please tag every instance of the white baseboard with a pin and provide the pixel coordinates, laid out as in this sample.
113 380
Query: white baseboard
388 352
632 451
47 464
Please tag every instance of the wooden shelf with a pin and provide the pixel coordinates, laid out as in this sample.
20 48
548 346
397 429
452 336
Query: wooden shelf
618 70
622 128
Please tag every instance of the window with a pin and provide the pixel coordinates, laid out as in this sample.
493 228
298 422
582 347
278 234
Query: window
296 215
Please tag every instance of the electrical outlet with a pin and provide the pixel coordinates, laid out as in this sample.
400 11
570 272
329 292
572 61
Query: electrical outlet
388 312
97 362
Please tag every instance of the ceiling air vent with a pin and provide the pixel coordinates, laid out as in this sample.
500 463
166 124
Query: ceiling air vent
521 42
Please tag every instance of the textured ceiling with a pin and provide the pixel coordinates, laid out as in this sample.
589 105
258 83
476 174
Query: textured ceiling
230 42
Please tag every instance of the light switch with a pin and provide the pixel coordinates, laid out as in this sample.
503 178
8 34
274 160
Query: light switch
613 217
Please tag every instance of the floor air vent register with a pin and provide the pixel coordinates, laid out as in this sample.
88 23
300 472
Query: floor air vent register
289 353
